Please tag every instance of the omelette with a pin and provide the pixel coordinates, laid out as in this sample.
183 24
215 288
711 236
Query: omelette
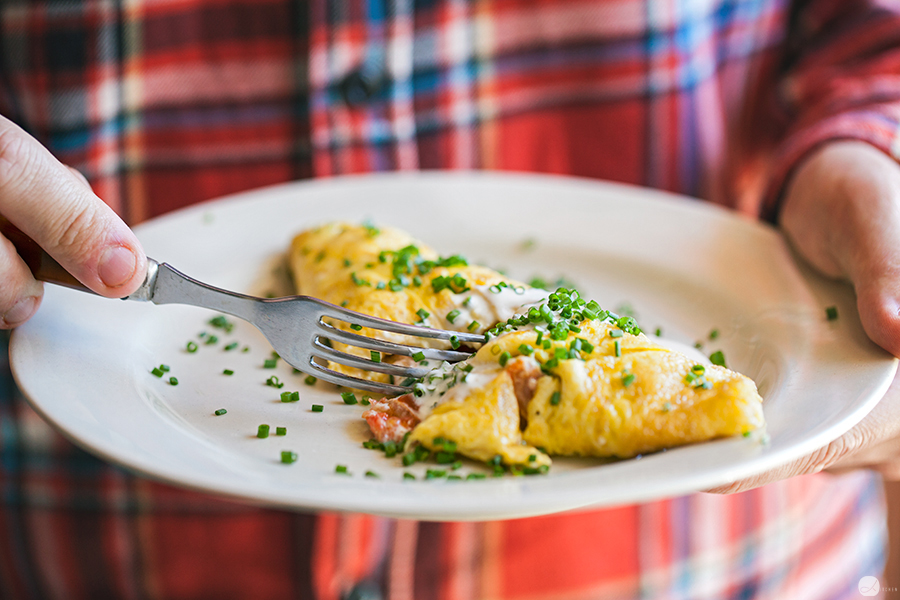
557 375
384 272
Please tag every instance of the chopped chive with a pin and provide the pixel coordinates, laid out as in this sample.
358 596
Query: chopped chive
220 412
627 379
262 431
618 347
476 476
349 398
317 408
659 332
526 349
274 382
173 381
290 396
444 458
390 449
504 358
423 314
451 316
341 469
831 313
376 356
346 262
473 326
310 380
245 349
222 323
157 372
667 407
698 369
408 475
454 342
211 339
164 368
555 398
231 346
747 433
372 474
356 327
616 333
541 470
418 356
270 363
192 347
717 358
281 431
227 372
288 457
713 334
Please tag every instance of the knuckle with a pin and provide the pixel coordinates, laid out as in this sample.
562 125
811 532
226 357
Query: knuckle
18 157
70 230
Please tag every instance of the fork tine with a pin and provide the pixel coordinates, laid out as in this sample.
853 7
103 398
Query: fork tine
343 314
330 376
323 351
361 341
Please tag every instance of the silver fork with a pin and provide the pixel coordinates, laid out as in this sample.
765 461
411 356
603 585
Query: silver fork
294 325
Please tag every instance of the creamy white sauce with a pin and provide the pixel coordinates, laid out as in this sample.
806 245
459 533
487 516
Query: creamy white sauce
488 307
452 383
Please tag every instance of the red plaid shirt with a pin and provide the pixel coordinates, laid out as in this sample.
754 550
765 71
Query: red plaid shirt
166 102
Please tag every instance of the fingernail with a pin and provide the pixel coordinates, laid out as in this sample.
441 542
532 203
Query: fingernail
117 266
21 311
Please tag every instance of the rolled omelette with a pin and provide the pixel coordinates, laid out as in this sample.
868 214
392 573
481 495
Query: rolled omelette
559 375
386 273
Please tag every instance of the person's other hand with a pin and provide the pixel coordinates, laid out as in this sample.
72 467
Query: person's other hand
55 207
841 212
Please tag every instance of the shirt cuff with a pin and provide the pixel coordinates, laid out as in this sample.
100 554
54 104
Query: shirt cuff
878 125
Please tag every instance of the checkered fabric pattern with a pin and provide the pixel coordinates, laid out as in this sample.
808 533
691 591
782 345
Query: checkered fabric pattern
162 103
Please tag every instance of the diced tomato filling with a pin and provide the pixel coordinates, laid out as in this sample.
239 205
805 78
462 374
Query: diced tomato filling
390 419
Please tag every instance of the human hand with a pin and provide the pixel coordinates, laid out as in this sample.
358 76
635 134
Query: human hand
54 206
841 212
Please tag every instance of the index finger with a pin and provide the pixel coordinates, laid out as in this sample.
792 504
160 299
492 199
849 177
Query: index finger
48 203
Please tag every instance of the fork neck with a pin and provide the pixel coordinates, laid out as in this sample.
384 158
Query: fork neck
167 285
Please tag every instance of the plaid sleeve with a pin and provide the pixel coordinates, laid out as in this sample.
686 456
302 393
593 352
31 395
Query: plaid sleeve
841 81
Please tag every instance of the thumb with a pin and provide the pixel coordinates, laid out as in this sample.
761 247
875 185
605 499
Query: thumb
842 212
55 208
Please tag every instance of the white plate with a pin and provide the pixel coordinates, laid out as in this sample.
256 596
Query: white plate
84 362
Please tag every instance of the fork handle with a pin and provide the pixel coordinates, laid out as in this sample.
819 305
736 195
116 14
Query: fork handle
163 284
43 266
